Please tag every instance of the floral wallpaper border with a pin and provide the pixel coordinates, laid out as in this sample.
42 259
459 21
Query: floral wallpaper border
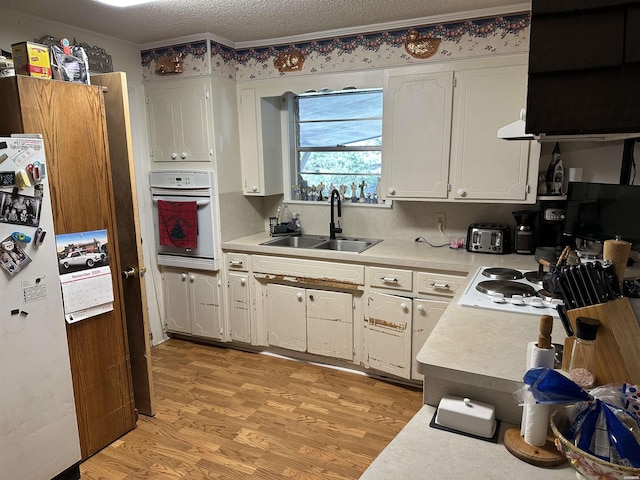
460 39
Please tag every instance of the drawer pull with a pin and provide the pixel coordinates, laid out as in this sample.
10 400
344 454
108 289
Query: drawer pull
236 263
389 280
441 285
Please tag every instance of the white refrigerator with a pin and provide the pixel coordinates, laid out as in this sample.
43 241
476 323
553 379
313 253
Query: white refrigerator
38 427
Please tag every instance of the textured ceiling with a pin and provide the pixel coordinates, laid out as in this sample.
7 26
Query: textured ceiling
239 21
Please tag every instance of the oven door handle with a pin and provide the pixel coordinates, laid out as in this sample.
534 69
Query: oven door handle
199 203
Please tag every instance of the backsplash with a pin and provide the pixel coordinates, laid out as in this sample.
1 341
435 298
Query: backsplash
460 39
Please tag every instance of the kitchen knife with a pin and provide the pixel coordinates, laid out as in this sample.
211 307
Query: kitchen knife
570 288
594 277
566 293
604 281
588 292
610 270
574 287
562 313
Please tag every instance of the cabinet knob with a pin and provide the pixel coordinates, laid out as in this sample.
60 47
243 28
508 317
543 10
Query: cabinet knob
192 278
254 188
403 306
462 192
174 155
183 276
299 295
392 191
243 281
183 155
420 307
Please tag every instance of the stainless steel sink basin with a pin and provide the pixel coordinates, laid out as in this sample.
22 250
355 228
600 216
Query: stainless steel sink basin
319 242
346 245
301 241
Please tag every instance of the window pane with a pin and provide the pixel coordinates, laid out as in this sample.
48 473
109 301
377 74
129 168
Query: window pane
339 106
344 132
341 162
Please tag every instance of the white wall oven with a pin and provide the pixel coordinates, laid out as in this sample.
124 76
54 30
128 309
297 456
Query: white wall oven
185 218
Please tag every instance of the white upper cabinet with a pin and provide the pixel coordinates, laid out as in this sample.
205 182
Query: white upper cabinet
484 167
260 143
180 125
417 134
440 134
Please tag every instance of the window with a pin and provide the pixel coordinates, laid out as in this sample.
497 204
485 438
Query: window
337 141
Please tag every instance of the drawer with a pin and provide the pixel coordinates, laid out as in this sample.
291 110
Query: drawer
237 261
310 271
438 283
391 278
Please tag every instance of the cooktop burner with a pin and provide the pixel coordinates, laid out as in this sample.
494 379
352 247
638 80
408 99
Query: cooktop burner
505 287
502 273
548 296
535 277
516 293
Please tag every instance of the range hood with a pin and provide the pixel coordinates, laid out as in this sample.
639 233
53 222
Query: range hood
516 131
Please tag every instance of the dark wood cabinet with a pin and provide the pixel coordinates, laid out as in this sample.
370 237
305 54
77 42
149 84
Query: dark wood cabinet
584 67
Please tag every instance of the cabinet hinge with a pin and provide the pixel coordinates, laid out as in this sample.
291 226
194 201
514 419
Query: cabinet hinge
151 153
146 100
455 82
527 188
206 94
448 187
353 304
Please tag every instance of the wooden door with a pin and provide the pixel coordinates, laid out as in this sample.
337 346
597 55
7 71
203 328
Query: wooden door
71 119
116 101
239 307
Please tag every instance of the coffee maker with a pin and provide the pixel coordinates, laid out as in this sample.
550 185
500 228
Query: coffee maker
524 242
550 224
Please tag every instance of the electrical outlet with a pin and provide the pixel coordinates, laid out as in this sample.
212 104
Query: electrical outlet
439 218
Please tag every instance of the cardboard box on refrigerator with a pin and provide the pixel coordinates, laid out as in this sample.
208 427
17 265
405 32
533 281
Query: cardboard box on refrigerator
31 59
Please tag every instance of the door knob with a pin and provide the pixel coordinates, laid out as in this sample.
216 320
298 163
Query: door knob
129 273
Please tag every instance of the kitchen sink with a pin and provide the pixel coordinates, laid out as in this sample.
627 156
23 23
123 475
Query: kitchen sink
346 245
319 242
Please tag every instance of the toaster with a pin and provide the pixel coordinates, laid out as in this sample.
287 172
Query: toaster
488 238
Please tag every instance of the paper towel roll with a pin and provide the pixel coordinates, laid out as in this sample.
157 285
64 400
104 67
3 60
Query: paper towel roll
535 418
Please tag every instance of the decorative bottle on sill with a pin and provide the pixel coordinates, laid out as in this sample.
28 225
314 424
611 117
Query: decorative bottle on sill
583 355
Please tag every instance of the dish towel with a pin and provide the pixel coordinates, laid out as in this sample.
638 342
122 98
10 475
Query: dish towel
178 224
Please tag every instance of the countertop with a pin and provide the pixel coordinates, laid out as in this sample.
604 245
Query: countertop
420 451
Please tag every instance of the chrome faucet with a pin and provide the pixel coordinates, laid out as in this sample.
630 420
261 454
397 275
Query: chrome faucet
332 226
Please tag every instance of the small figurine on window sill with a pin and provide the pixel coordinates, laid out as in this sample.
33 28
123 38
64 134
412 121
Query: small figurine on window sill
362 186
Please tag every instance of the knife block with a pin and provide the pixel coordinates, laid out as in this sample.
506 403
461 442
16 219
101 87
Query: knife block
617 343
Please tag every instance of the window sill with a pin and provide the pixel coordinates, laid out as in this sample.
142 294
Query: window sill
343 204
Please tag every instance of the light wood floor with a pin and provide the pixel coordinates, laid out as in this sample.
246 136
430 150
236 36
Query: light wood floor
227 414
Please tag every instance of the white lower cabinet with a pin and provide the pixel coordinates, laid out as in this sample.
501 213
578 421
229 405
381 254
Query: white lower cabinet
239 307
388 337
192 302
426 314
316 321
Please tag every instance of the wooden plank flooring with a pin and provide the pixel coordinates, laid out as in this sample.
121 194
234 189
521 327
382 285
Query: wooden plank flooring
228 414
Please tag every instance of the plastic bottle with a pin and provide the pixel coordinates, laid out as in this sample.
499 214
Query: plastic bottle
285 215
583 355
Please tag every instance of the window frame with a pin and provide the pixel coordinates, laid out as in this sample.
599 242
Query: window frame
294 148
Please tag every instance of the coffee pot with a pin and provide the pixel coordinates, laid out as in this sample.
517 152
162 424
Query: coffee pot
524 239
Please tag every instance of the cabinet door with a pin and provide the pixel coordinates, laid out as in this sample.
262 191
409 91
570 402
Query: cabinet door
388 337
176 301
482 165
330 324
239 307
179 121
285 314
260 143
426 314
417 129
205 305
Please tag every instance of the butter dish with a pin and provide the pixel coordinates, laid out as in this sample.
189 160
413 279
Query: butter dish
466 416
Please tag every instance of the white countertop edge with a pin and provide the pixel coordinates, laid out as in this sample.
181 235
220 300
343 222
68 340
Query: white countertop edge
420 452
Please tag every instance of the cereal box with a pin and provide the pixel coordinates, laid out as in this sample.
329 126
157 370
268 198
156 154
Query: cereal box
32 59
